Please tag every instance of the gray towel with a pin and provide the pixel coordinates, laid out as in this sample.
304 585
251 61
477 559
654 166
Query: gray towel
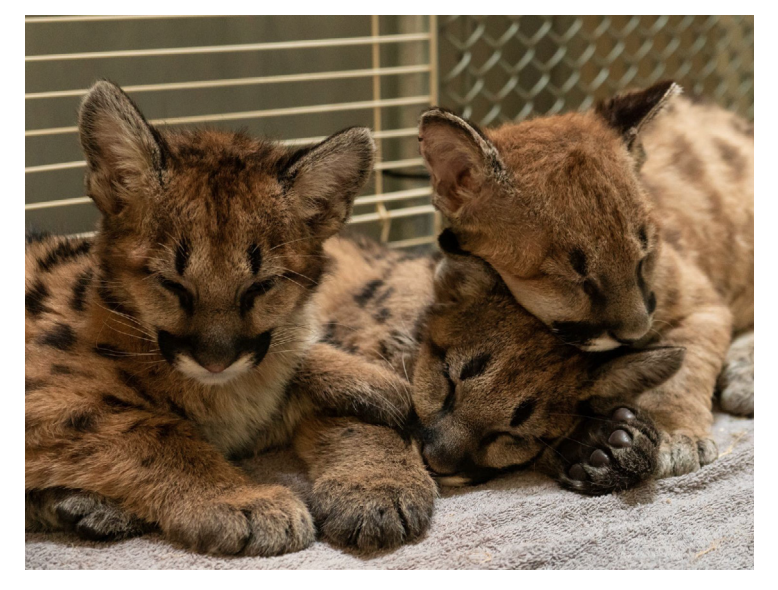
522 521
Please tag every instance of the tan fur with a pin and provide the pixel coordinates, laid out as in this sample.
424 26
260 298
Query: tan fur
187 331
556 191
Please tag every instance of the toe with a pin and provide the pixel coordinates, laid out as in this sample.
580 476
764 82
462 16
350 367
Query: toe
620 439
577 472
623 415
599 458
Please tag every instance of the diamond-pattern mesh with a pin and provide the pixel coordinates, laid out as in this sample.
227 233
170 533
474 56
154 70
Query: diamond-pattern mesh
502 68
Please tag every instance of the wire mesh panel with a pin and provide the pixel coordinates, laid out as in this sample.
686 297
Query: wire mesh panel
296 79
502 68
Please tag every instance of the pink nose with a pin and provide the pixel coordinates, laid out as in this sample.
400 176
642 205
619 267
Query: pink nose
215 367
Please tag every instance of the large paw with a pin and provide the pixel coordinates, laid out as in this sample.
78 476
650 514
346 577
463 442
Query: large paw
95 518
735 386
680 453
264 521
376 510
608 452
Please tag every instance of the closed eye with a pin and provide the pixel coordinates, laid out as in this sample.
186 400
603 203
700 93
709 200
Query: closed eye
255 290
185 298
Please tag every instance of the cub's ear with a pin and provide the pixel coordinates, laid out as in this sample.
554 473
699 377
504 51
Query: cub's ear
627 113
633 371
459 159
327 177
124 154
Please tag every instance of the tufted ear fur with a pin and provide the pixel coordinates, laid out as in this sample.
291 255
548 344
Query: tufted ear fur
125 155
628 113
327 177
632 371
459 157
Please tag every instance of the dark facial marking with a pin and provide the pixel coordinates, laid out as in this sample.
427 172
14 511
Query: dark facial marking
61 337
594 292
475 366
61 370
256 290
33 384
115 404
62 253
522 412
78 298
185 298
182 256
579 262
643 237
34 299
255 258
382 315
135 384
448 403
367 293
651 303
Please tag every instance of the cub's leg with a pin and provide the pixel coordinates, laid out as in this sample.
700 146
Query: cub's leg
736 381
155 466
377 394
88 515
681 407
613 448
370 487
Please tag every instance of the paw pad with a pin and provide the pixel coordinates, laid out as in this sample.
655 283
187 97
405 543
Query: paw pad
599 458
623 415
620 439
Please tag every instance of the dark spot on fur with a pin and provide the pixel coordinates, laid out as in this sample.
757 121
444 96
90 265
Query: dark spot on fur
147 462
33 384
384 296
522 412
643 237
67 250
329 335
81 421
182 256
732 157
475 366
61 337
687 161
78 298
382 315
178 410
255 258
116 404
165 430
34 299
61 370
579 262
651 302
367 293
136 385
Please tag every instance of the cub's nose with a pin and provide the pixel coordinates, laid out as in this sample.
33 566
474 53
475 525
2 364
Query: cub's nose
215 367
440 459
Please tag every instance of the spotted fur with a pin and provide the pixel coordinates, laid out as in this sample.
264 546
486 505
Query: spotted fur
190 330
629 224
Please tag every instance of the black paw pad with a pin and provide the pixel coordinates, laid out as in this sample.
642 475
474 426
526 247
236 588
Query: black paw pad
577 472
623 415
599 458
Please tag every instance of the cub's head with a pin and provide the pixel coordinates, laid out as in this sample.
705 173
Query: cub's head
212 241
556 207
493 389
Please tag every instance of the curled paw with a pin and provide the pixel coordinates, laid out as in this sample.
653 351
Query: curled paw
680 453
735 386
264 521
374 512
95 518
608 452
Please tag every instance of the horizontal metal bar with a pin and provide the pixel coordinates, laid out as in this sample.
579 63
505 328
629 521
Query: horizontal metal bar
302 141
59 203
393 214
366 200
399 164
303 44
413 193
231 82
412 242
322 108
85 19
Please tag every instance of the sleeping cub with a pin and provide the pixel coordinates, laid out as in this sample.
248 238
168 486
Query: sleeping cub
619 227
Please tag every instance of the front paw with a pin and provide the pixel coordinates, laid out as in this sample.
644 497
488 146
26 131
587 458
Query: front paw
374 510
681 453
96 518
608 452
735 386
264 521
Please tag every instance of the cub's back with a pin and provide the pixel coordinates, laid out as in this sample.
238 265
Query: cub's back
373 300
699 171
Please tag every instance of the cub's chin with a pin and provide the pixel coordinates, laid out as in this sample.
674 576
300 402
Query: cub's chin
600 344
197 372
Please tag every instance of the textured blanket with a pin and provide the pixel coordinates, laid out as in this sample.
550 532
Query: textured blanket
522 521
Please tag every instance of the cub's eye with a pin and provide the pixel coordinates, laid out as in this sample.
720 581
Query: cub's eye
254 291
184 296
